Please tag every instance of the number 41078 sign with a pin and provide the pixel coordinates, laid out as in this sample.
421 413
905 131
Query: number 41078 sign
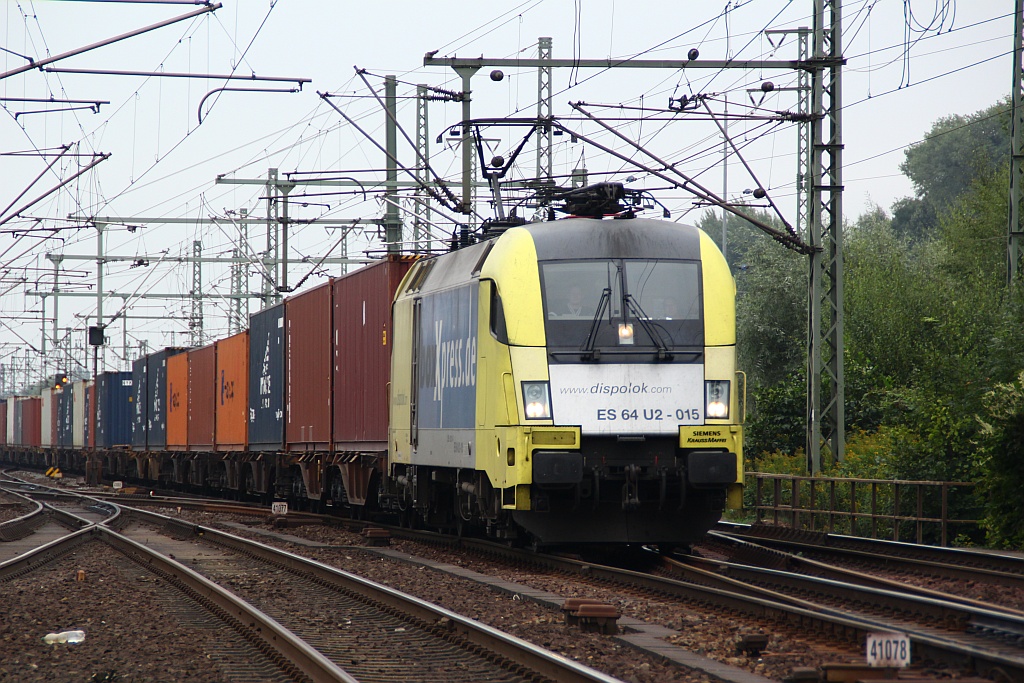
888 649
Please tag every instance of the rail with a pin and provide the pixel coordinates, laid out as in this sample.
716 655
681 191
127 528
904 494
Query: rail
901 510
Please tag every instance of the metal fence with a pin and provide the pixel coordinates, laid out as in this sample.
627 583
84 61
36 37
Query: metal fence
913 511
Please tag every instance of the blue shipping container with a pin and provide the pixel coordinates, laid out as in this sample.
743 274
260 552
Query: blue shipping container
114 409
140 389
156 397
266 379
65 415
87 427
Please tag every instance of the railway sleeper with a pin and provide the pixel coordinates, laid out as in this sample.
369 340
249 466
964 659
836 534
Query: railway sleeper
591 615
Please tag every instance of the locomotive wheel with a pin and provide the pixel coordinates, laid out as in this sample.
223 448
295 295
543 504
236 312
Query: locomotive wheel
408 518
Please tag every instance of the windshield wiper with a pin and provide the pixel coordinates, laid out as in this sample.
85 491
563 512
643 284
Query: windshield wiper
589 352
651 330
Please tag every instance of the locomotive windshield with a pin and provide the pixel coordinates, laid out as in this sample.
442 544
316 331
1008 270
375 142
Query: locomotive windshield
588 303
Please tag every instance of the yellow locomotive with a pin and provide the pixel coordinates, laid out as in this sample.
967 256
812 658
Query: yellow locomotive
568 382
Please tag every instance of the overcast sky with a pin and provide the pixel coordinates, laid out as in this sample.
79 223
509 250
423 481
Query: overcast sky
908 64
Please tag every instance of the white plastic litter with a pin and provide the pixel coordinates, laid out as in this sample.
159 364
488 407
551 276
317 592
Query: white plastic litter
64 637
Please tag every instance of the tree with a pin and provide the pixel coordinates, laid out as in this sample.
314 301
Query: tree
885 314
771 312
942 167
956 150
913 219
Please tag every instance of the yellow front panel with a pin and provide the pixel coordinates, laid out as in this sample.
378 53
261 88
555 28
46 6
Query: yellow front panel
512 263
720 363
711 437
528 363
401 381
719 295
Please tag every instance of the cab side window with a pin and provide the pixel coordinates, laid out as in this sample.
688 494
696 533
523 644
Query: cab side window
497 322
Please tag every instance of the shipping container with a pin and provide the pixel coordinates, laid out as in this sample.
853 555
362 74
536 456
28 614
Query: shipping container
78 412
202 364
90 413
177 402
48 422
17 424
156 397
31 421
362 353
232 398
3 422
266 379
115 403
65 399
308 330
140 416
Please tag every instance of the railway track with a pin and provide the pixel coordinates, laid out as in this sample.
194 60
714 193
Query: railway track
950 563
51 515
943 628
958 634
422 634
334 618
963 634
256 648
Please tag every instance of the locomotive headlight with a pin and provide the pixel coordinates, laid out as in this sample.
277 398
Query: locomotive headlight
716 399
537 400
626 334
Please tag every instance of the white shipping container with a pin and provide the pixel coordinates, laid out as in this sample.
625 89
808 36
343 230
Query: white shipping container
46 419
10 419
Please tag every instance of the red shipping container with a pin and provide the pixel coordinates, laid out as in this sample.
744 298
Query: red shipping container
3 422
177 402
31 425
232 397
308 376
201 367
362 353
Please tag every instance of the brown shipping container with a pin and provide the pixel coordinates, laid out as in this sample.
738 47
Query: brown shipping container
362 353
177 402
201 367
32 422
3 422
232 397
307 321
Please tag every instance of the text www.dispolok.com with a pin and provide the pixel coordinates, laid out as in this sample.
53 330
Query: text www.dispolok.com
615 389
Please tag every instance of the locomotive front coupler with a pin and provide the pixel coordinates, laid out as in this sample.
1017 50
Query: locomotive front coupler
630 489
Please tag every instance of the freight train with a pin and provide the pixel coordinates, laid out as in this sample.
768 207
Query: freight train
568 382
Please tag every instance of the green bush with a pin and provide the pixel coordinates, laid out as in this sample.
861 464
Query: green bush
1000 453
